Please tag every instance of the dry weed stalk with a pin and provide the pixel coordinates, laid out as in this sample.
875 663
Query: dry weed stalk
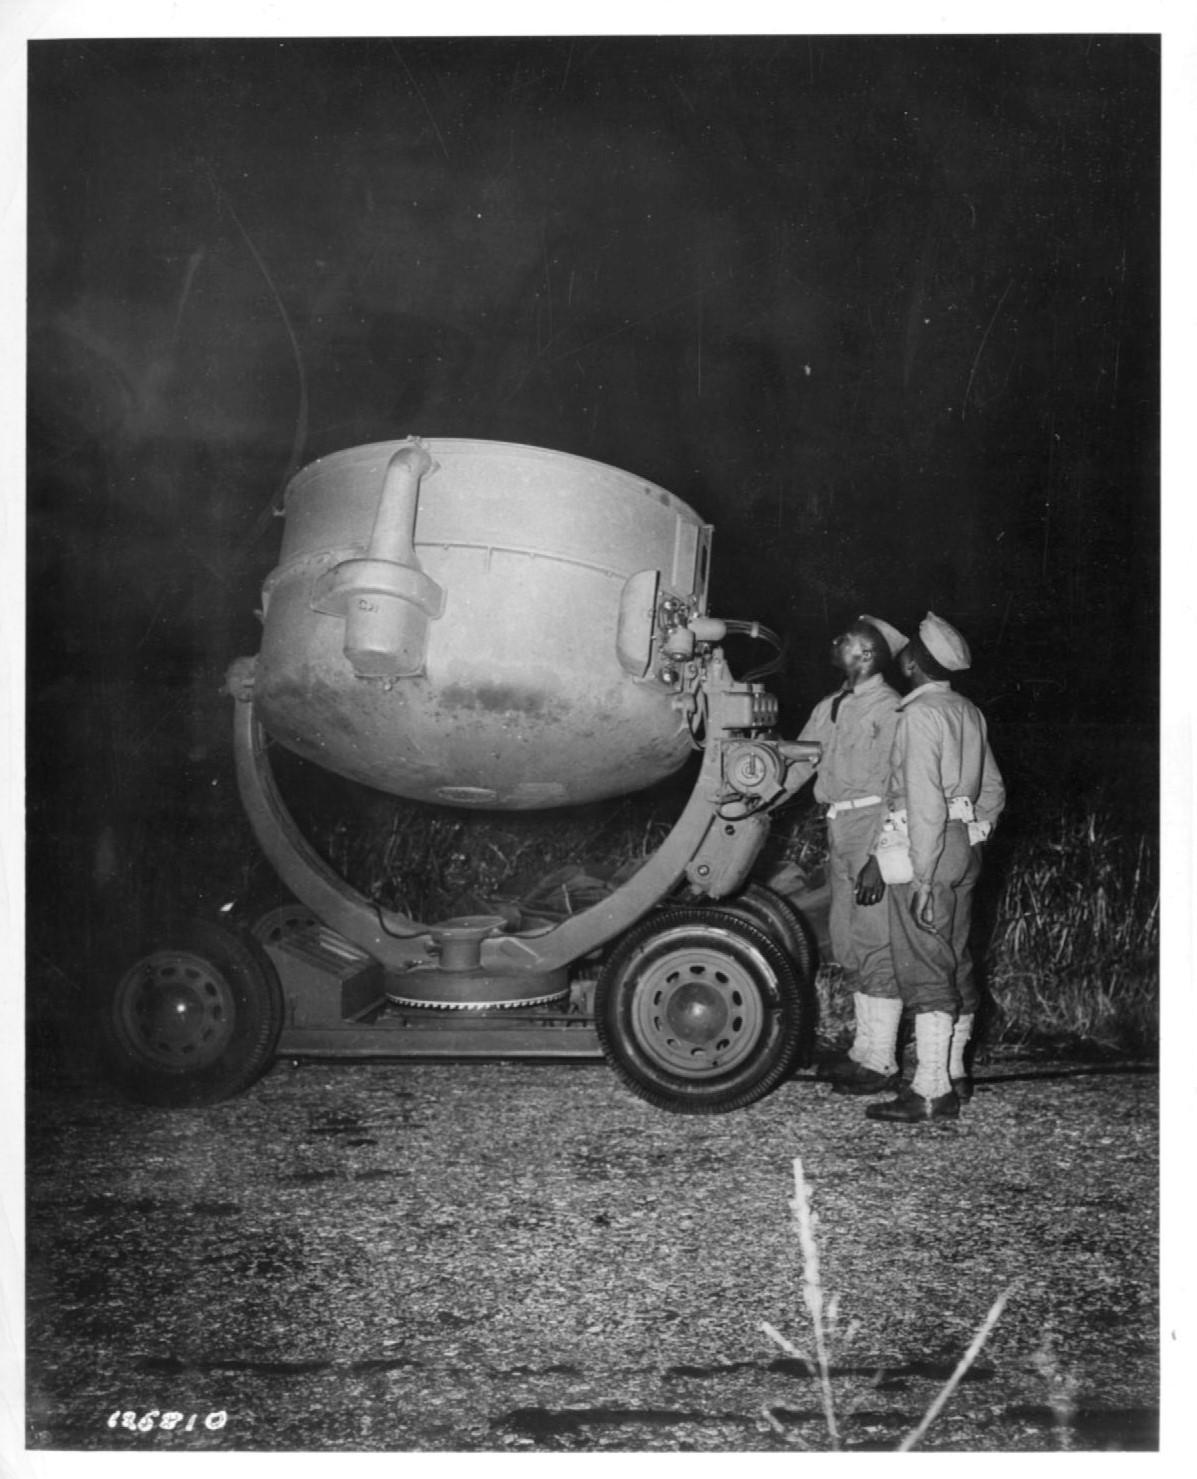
812 1297
953 1381
812 1290
805 1222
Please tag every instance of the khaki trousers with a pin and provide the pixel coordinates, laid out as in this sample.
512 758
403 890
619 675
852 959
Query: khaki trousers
935 972
860 934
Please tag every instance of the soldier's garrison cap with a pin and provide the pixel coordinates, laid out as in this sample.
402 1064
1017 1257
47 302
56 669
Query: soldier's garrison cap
944 643
894 639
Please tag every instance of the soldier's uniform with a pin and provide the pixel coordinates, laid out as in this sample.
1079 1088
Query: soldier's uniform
947 782
945 792
855 727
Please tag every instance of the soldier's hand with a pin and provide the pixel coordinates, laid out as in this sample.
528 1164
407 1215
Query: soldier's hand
922 906
870 886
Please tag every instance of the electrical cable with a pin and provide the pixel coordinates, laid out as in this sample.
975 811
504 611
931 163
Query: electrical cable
696 720
394 934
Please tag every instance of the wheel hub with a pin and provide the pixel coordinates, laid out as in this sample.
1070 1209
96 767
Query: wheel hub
178 1010
697 1012
172 1016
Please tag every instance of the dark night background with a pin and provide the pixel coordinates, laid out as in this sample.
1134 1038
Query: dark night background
884 310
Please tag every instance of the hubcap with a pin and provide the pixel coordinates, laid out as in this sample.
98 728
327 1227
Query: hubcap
176 1010
277 924
698 1011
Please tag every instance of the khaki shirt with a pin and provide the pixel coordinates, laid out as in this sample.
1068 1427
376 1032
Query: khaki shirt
941 750
857 744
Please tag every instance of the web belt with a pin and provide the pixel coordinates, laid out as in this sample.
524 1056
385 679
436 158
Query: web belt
835 807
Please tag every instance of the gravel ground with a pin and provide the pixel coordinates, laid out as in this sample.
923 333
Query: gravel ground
489 1258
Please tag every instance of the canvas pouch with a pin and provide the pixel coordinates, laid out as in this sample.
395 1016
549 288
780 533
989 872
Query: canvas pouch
893 849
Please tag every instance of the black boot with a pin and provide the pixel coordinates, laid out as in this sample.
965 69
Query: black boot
857 1079
834 1067
910 1108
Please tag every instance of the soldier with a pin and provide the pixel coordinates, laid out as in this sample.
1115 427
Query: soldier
945 794
855 725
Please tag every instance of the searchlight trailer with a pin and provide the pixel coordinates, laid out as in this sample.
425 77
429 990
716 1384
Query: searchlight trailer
500 627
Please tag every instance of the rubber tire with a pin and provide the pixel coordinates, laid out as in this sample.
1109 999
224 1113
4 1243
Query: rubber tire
774 913
641 957
785 920
785 923
235 1029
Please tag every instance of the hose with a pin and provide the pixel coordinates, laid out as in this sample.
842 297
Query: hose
761 633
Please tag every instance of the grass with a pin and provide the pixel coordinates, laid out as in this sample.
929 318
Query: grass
1074 950
433 863
822 1314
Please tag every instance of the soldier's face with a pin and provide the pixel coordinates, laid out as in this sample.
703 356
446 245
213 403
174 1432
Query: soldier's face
850 651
